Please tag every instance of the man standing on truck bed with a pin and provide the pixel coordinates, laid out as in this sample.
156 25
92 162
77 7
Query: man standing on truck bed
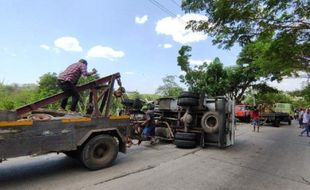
68 80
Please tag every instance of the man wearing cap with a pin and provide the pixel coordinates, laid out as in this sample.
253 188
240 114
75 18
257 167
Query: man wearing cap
68 80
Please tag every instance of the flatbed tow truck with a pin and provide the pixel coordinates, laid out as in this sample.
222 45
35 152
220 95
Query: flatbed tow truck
94 139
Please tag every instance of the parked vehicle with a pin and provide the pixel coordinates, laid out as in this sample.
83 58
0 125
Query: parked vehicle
276 114
243 113
284 108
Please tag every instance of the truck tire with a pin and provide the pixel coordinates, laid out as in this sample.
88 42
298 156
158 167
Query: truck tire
185 143
276 122
186 94
210 122
184 101
185 136
289 121
99 152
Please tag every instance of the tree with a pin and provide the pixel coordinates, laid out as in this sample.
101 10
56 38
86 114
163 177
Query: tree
272 98
282 26
48 85
240 79
206 78
306 93
214 79
170 87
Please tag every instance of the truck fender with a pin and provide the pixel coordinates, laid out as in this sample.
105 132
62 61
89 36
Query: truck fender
112 132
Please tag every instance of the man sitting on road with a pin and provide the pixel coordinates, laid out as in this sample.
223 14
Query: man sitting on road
68 80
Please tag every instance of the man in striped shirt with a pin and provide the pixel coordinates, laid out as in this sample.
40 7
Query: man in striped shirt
68 79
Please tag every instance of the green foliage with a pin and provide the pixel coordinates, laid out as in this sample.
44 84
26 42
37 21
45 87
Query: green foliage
213 79
14 96
48 85
144 97
206 78
306 93
300 103
170 87
7 104
278 31
84 96
88 79
116 106
240 79
134 95
269 98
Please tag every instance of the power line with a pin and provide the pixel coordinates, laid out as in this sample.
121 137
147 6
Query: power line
166 10
162 7
174 2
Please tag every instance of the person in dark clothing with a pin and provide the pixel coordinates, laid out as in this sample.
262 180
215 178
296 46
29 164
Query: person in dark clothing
68 80
149 123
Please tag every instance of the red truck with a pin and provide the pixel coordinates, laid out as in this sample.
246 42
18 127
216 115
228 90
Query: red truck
243 112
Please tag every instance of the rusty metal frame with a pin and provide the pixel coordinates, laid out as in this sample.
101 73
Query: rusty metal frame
105 83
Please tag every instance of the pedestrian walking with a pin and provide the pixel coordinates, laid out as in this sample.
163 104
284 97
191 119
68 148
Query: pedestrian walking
300 117
255 119
305 121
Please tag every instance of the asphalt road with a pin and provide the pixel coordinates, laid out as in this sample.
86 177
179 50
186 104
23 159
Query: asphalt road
275 158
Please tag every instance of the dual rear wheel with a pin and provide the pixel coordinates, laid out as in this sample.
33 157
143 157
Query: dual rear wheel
185 140
99 152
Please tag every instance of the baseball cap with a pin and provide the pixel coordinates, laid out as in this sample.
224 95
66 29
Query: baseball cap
83 61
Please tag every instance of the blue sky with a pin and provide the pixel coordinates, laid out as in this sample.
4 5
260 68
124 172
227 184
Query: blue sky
133 37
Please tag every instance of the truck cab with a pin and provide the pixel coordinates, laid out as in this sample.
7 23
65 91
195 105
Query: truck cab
243 112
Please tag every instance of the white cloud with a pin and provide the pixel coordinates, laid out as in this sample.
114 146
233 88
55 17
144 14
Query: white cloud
141 20
129 73
289 84
68 44
199 62
46 47
105 52
166 46
175 27
182 73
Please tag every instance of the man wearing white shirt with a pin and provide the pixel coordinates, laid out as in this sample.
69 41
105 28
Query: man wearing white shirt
305 121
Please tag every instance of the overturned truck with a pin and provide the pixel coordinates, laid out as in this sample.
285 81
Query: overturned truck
193 119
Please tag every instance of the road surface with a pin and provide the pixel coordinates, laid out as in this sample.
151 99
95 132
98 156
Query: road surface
275 158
